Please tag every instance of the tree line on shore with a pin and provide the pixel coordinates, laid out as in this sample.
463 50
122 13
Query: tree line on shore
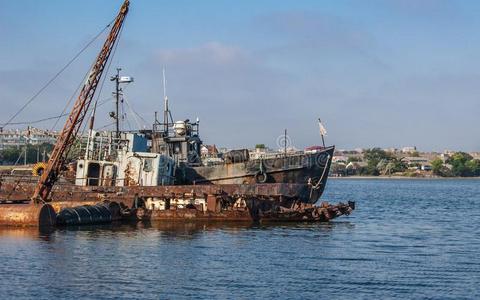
34 153
16 155
460 164
380 162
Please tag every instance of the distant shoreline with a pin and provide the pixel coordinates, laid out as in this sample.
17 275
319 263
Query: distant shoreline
400 177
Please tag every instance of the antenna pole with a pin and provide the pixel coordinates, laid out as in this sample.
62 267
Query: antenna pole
164 86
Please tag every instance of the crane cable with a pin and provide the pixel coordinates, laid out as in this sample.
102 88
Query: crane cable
54 117
135 114
31 99
110 60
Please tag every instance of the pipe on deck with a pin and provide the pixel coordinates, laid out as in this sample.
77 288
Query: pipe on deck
27 214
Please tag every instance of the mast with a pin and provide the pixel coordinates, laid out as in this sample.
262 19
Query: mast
118 92
80 108
116 78
167 114
165 104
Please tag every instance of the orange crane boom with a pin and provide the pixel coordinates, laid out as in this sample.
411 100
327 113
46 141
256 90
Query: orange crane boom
80 108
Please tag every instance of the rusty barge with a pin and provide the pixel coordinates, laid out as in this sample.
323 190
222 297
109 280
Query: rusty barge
123 178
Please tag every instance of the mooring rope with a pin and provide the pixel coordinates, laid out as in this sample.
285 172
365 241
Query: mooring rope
319 182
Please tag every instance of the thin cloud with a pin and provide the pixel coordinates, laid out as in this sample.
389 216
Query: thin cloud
301 32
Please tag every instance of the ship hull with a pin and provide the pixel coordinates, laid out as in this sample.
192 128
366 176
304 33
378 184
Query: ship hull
271 202
309 168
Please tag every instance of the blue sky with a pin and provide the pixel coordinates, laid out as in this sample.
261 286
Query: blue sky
379 73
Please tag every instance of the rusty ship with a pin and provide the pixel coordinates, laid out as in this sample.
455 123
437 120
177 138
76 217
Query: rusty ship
155 175
181 141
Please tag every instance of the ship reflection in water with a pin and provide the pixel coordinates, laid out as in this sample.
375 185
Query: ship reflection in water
161 229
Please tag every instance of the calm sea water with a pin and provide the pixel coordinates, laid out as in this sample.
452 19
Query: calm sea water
408 239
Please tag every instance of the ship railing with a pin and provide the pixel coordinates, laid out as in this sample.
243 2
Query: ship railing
95 181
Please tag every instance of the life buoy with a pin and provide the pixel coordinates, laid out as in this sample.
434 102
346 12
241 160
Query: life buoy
38 168
261 177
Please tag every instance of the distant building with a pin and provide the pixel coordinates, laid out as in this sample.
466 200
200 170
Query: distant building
222 150
315 149
391 150
449 152
426 167
338 169
30 136
415 160
354 168
340 158
409 149
429 155
475 155
359 150
209 151
260 152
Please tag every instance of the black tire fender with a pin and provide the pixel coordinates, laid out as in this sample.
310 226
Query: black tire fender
261 177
